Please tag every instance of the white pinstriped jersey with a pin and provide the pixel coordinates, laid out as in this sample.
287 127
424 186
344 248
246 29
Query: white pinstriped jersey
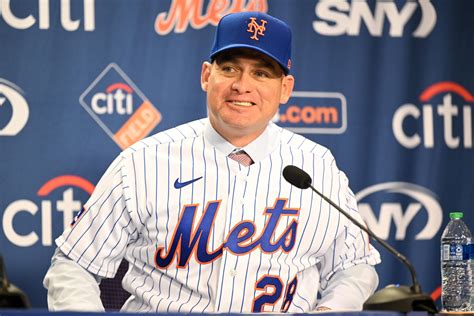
205 234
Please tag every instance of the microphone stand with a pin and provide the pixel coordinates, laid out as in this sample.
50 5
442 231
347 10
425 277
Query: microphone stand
393 297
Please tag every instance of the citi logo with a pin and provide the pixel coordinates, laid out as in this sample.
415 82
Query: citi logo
342 17
43 19
391 210
440 111
14 105
313 112
119 107
68 205
117 98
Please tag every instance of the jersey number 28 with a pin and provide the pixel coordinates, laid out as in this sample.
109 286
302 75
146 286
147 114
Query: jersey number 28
272 287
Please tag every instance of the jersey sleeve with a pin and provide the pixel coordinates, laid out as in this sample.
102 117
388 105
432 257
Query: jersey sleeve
351 246
348 289
70 287
98 237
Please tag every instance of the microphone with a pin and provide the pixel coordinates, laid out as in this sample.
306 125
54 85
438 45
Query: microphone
393 297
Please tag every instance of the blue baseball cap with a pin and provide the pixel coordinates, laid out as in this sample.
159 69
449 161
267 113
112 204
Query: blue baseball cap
254 30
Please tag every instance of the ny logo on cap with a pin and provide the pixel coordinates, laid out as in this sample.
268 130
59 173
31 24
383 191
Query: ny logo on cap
254 28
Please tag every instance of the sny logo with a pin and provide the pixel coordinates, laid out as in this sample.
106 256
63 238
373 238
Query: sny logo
392 194
12 95
111 100
256 29
342 17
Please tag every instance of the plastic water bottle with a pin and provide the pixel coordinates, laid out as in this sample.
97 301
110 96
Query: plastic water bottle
472 276
455 265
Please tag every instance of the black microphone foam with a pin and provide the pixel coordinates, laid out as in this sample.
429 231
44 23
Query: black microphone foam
297 177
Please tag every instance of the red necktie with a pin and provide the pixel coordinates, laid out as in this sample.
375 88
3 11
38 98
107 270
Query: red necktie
241 157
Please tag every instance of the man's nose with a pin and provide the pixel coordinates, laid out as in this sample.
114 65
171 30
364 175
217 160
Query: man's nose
243 83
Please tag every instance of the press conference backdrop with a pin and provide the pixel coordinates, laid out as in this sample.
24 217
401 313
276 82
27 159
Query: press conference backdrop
388 86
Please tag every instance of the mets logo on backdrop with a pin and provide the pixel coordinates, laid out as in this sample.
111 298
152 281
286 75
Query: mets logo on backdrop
314 112
119 107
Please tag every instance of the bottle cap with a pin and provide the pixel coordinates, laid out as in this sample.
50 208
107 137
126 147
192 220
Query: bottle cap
456 215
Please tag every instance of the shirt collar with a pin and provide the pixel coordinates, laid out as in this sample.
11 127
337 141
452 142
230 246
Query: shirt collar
258 149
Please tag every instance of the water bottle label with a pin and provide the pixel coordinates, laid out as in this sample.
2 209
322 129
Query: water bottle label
455 252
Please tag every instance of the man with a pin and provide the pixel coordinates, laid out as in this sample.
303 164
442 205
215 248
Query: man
201 211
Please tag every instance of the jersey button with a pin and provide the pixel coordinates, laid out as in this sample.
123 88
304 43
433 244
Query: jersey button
242 177
232 273
242 201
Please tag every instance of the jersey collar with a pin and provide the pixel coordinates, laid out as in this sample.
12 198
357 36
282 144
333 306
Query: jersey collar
258 149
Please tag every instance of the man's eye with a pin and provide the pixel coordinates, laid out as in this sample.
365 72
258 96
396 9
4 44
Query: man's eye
262 74
227 69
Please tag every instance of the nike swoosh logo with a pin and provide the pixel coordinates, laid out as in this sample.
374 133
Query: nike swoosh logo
179 185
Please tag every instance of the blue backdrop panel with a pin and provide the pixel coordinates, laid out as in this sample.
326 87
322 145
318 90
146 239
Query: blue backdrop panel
388 86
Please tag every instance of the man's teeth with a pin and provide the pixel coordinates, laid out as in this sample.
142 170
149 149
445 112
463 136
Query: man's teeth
242 103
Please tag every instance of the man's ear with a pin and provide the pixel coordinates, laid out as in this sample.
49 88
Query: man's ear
205 73
286 88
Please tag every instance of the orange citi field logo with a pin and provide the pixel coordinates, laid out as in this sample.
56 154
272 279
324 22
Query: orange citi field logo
311 112
26 223
119 107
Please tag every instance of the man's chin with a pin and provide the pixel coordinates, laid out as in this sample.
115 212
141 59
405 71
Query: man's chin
242 127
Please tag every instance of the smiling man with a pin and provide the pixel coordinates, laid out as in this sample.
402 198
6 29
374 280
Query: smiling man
201 211
244 90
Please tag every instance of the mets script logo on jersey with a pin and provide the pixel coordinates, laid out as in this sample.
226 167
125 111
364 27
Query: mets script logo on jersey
447 108
14 107
119 107
59 196
183 13
187 242
255 28
311 112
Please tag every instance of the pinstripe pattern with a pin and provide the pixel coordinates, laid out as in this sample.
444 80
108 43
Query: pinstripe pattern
135 210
